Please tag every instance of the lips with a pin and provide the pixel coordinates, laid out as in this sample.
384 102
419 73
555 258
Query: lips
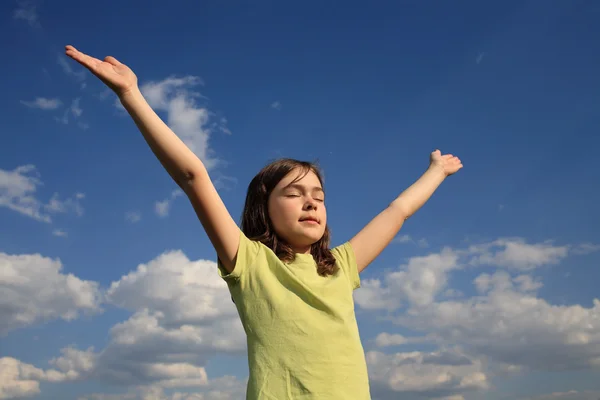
309 219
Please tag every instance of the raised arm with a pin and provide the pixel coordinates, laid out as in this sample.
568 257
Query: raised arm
377 234
186 169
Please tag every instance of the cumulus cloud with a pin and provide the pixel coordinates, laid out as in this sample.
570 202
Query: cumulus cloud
67 68
26 11
18 379
385 339
517 254
437 374
223 388
423 279
133 216
568 395
418 282
43 103
408 239
59 233
75 111
510 324
182 316
505 323
186 292
190 121
163 207
17 192
34 289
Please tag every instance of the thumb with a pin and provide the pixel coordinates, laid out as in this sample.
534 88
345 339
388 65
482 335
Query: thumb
111 60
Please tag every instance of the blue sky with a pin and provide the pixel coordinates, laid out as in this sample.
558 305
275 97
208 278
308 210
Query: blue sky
108 284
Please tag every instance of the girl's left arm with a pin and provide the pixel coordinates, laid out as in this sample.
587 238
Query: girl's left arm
377 234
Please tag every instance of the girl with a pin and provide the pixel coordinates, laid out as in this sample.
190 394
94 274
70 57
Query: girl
292 292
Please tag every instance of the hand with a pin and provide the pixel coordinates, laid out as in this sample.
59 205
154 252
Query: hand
448 163
119 77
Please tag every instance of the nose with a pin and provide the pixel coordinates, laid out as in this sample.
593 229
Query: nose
310 205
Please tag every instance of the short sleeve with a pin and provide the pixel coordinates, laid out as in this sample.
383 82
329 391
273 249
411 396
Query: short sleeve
346 260
246 254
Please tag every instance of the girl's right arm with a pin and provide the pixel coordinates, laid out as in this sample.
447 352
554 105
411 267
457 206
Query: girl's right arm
186 169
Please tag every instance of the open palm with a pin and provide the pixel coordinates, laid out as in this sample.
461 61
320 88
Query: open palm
117 76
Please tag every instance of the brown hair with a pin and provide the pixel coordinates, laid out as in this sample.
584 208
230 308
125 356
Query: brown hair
257 225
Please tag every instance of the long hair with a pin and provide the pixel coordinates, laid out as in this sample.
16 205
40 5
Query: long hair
257 225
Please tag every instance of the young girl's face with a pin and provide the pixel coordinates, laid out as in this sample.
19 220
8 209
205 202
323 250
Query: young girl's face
297 210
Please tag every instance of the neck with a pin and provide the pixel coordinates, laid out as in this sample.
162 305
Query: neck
301 249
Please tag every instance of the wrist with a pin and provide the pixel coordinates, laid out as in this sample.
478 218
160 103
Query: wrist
437 170
130 95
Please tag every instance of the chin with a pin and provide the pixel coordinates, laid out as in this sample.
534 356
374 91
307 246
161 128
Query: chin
312 239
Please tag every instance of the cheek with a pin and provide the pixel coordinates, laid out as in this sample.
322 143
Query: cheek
282 213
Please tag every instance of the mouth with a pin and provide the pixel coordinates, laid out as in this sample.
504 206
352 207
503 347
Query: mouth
309 220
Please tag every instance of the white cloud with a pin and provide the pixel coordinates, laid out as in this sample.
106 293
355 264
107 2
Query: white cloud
424 278
429 374
184 116
517 254
68 69
569 395
185 292
479 57
19 379
71 204
33 289
75 110
163 207
418 282
586 248
509 324
385 339
43 103
224 182
223 388
133 216
27 11
183 315
408 239
59 233
506 321
276 105
17 192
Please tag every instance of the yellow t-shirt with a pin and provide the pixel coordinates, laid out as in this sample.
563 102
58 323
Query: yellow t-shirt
302 335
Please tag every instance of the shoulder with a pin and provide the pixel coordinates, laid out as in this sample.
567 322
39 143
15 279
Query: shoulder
346 261
247 253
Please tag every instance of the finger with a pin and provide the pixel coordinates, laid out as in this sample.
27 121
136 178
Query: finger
113 61
82 58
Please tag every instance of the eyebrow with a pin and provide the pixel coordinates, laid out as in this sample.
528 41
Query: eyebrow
300 187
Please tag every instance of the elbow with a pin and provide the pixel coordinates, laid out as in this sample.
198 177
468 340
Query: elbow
400 210
189 176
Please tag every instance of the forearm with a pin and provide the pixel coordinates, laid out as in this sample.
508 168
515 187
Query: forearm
179 161
415 196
